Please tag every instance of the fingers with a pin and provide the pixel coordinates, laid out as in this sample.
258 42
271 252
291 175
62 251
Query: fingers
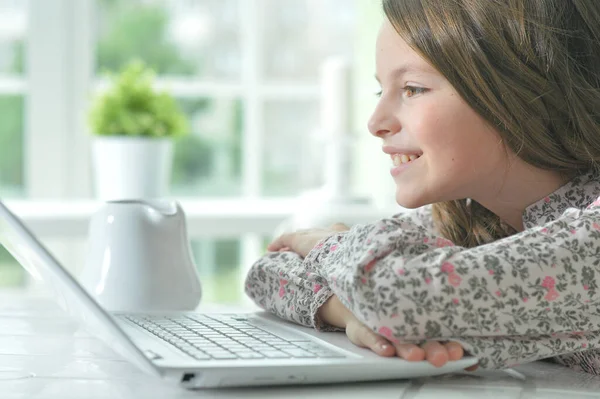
362 336
301 241
436 353
289 240
377 344
410 352
283 241
455 350
339 227
275 245
383 347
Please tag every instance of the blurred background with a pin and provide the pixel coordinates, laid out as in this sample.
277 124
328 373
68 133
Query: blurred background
246 74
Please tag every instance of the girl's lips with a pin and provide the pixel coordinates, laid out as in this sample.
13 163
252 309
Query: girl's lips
396 170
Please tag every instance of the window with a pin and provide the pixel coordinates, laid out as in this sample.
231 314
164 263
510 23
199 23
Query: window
245 72
195 47
218 262
13 35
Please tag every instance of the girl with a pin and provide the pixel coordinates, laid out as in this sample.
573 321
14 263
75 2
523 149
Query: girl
490 112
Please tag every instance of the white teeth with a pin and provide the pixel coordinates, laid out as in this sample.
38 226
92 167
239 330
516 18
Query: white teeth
399 159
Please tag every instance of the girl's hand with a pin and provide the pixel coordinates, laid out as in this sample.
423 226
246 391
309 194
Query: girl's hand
303 241
333 312
434 352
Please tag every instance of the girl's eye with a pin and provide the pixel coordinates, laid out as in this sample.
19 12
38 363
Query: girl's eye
411 91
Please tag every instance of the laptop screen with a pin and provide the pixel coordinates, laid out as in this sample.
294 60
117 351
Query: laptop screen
69 294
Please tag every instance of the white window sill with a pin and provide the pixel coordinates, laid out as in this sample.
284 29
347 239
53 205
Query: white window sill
214 217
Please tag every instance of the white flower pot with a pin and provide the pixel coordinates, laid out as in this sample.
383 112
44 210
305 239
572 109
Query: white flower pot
131 167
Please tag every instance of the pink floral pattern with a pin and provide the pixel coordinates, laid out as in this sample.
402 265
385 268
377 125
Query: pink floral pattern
548 282
530 296
447 267
454 279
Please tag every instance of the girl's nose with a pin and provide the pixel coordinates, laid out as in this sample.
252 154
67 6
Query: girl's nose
383 122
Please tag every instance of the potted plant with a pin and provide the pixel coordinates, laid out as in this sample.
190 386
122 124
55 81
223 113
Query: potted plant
134 125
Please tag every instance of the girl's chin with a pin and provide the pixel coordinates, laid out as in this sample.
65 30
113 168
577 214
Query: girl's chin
410 205
410 202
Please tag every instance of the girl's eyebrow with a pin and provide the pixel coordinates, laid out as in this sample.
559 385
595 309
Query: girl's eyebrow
406 68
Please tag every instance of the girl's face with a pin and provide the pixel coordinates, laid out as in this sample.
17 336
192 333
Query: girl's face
455 153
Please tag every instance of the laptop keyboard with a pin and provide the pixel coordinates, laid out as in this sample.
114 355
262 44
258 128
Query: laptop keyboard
227 337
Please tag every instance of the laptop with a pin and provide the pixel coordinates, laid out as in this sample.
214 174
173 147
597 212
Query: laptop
207 350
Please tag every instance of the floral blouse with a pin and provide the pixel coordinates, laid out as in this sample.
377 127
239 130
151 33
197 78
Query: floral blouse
533 295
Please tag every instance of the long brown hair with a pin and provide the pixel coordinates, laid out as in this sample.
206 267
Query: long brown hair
530 68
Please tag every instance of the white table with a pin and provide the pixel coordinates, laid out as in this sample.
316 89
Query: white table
45 354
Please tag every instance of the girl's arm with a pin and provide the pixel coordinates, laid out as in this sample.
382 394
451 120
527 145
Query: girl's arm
529 296
281 283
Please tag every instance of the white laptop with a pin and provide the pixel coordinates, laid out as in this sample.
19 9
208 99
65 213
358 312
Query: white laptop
199 350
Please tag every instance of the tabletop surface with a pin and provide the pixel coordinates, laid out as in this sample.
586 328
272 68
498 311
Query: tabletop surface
46 354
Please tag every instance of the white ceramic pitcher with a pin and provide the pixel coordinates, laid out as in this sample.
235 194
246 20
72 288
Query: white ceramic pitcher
139 258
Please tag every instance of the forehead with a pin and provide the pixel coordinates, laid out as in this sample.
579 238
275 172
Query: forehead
394 55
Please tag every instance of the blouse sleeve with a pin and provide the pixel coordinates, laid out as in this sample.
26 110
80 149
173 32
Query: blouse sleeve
525 297
280 282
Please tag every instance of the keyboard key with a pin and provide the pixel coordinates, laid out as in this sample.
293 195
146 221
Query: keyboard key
223 356
200 356
310 346
215 350
234 347
287 346
274 354
249 355
329 355
300 353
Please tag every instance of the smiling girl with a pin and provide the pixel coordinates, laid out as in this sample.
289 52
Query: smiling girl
490 112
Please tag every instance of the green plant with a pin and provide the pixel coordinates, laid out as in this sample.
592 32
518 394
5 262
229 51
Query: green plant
132 107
